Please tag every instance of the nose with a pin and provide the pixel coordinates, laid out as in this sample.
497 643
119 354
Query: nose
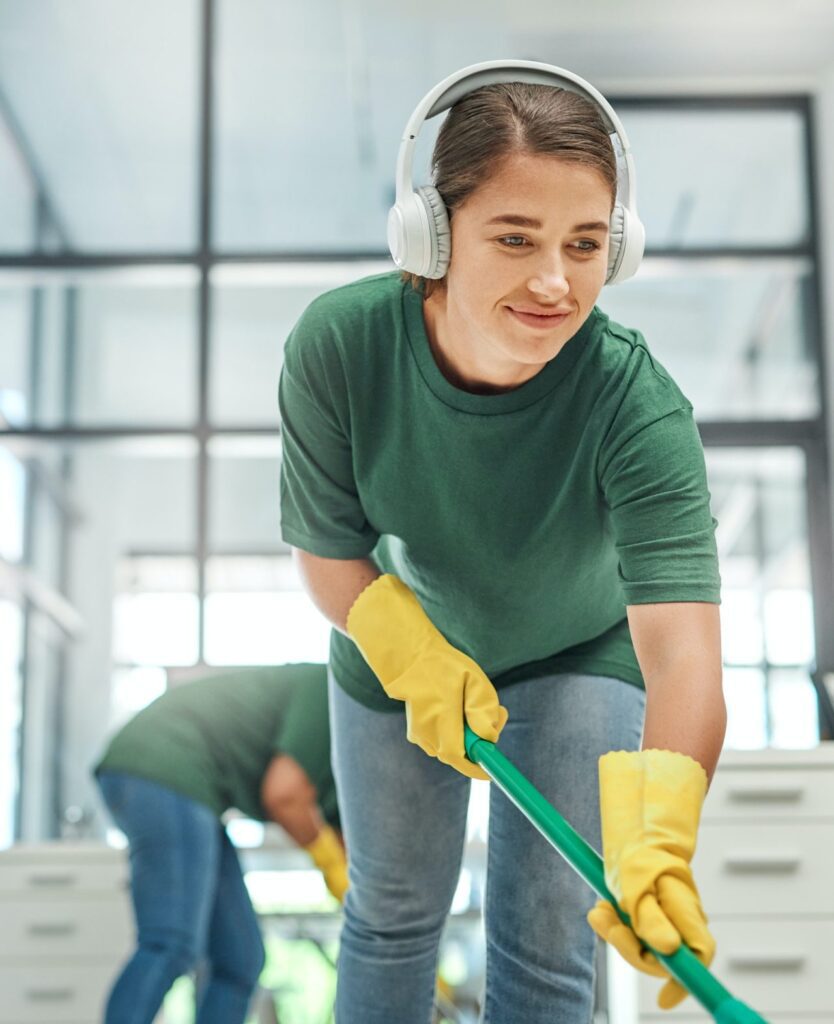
550 276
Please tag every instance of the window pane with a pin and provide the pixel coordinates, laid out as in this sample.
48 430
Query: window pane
49 519
17 195
110 351
12 497
155 629
244 513
741 626
734 337
15 330
253 310
136 355
43 752
744 694
258 614
158 629
11 709
133 689
793 709
719 177
758 497
296 158
106 96
789 627
249 329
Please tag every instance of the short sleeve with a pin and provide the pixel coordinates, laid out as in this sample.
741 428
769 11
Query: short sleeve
655 487
320 507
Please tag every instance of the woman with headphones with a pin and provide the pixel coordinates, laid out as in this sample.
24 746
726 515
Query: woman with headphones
498 498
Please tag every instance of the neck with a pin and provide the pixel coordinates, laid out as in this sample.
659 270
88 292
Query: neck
456 353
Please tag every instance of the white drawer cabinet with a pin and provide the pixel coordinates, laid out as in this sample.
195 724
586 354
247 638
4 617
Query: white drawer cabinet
93 927
765 869
49 992
779 966
67 929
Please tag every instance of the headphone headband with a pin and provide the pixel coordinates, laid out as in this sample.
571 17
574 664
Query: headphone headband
492 72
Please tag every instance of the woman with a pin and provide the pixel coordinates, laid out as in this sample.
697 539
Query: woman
255 739
498 498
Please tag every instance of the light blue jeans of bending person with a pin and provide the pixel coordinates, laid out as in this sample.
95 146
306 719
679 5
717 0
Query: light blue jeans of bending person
404 818
191 904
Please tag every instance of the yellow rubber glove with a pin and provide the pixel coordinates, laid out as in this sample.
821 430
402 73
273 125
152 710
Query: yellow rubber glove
416 664
328 855
650 804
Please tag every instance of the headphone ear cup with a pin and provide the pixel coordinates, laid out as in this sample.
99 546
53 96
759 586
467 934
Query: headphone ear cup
440 241
407 233
627 239
616 230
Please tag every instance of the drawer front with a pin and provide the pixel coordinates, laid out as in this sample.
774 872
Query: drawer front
777 966
49 880
55 993
745 794
761 868
61 929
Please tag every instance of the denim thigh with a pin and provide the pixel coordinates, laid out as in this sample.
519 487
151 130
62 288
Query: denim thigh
540 949
404 820
175 847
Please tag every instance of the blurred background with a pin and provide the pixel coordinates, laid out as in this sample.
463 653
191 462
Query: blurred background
178 179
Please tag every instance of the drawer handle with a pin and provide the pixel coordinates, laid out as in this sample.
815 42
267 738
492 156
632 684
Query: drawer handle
52 929
762 863
767 961
52 879
766 794
52 995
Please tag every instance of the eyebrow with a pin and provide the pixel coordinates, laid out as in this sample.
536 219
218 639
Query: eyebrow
518 221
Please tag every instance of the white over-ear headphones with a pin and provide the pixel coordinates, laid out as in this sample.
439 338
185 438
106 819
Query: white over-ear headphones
418 224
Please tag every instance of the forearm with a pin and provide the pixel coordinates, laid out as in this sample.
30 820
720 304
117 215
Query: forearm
678 647
686 714
301 819
289 798
334 583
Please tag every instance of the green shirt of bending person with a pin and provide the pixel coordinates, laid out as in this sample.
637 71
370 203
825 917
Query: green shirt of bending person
257 740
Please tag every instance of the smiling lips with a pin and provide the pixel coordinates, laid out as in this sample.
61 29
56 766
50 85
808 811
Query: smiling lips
536 319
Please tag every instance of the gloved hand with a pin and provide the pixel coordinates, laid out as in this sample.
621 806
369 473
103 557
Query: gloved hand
416 664
328 855
650 803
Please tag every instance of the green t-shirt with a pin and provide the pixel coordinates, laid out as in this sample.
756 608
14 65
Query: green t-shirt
524 521
212 739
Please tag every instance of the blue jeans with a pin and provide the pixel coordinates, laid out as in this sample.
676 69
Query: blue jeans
404 817
191 905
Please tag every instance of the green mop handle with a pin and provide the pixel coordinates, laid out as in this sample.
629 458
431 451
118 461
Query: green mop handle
584 859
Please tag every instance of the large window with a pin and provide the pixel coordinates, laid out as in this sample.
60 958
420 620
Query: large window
728 301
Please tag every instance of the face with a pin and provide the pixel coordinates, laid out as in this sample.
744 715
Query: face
529 258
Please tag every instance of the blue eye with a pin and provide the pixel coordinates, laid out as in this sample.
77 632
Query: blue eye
589 242
517 237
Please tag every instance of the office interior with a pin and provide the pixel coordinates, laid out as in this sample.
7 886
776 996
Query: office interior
178 181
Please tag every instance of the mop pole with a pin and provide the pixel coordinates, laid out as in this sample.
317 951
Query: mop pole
683 965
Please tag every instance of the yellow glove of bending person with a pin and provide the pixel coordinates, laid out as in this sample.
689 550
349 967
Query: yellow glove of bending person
415 663
650 804
328 855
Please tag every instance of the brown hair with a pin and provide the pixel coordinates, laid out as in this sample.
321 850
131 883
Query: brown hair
496 121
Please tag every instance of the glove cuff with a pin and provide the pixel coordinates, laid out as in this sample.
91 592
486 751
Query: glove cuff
388 625
661 768
326 850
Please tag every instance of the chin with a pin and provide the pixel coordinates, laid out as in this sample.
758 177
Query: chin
537 354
